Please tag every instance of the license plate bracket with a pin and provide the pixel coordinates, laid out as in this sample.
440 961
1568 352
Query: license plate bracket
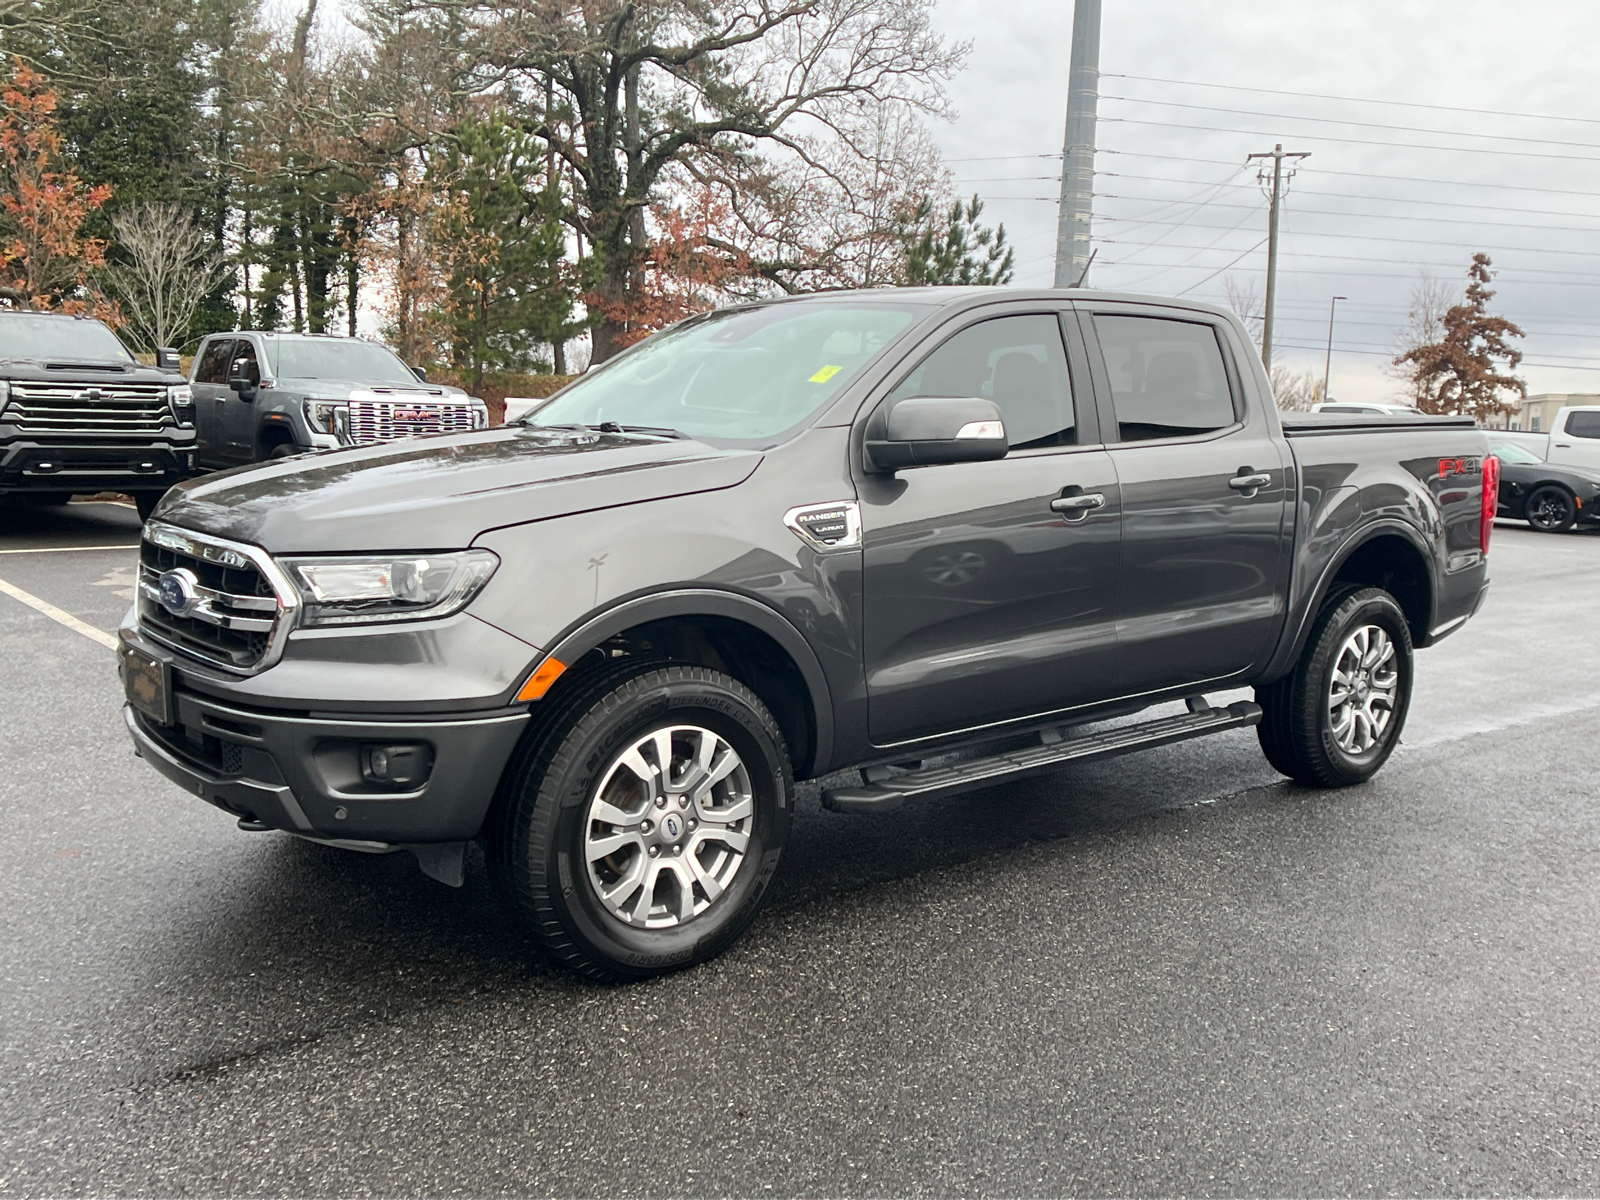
147 682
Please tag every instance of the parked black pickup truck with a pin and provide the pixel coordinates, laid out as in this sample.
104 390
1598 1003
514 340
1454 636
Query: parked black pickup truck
79 414
859 530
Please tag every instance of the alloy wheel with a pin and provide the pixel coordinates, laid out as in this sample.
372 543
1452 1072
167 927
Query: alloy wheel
1363 688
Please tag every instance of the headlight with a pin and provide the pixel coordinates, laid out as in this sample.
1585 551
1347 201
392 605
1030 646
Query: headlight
329 416
480 418
388 587
180 399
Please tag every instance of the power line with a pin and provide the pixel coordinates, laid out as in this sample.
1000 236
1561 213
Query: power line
1251 112
1319 137
1320 171
1378 237
1365 258
1234 87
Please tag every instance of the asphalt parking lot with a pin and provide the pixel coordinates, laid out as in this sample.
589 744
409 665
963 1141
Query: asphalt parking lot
1168 973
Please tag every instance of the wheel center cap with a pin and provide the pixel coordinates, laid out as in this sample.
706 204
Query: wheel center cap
672 827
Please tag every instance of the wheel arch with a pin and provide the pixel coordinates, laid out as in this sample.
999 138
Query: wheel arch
1390 555
723 630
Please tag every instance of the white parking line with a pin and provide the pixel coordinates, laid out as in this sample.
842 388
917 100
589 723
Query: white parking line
59 615
63 549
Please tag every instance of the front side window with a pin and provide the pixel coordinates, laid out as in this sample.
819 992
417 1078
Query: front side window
214 359
245 366
1584 424
744 375
1018 362
1167 377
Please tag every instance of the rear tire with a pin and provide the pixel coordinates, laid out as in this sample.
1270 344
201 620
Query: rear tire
1336 718
1551 509
623 873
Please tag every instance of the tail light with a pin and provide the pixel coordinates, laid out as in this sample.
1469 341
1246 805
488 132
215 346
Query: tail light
1491 500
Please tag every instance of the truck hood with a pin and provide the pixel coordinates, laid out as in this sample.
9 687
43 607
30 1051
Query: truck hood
440 493
86 373
343 389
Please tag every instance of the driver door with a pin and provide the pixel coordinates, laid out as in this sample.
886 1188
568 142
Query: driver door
211 394
981 602
239 416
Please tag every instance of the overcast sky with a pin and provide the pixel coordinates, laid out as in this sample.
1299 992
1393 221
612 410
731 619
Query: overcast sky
1389 189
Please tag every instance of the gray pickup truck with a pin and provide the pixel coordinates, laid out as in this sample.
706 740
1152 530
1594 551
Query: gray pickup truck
851 532
261 396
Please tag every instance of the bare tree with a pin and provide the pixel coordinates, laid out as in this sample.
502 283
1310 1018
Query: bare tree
1431 299
1295 393
1245 299
171 265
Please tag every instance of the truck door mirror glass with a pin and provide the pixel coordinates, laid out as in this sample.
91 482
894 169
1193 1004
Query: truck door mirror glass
422 376
925 430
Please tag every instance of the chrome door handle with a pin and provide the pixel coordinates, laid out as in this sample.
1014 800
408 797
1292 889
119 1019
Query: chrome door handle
1077 504
1249 483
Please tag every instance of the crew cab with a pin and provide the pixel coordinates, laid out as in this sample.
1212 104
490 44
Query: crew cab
260 396
831 536
78 413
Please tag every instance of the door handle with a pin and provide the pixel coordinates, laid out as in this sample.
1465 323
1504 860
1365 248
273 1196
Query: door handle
1563 445
1249 484
1075 508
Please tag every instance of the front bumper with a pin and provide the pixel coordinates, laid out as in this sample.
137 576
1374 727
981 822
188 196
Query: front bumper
34 466
302 774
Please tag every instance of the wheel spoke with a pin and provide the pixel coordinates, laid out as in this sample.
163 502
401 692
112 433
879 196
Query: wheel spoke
730 838
603 847
707 883
604 810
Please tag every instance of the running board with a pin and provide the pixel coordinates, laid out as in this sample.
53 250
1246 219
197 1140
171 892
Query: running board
888 794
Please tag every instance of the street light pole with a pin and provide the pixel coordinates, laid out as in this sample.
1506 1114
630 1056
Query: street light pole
1327 363
1077 150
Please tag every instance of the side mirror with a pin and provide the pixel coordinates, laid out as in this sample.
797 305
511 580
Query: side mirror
925 430
167 358
422 376
242 385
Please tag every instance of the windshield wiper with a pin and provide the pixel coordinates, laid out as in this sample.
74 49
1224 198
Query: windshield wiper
614 427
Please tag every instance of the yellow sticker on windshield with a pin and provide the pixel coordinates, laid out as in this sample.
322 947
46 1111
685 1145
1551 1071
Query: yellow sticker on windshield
827 373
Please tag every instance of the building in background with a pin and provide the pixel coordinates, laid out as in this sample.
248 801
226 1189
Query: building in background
1534 414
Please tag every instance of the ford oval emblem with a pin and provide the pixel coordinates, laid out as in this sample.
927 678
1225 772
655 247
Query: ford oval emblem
177 592
672 826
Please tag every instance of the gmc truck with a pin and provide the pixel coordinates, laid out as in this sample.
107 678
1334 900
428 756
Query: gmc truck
261 396
79 414
841 536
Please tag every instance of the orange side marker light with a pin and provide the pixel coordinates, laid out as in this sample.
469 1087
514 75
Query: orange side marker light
539 682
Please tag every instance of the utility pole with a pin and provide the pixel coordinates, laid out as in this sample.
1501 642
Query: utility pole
1077 149
1327 363
1277 156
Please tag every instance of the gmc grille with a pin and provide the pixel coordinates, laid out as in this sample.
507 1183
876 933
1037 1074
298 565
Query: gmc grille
385 420
47 408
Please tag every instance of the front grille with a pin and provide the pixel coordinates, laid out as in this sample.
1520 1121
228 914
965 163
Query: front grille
385 420
236 611
99 408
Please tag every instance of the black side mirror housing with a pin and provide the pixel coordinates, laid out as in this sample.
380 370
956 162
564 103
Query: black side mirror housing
422 376
925 430
167 358
243 386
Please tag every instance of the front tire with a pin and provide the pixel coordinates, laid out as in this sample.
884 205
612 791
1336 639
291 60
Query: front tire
624 870
1551 510
1336 718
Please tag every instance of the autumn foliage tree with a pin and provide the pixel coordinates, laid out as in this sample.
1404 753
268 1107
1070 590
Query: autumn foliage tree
45 257
1461 371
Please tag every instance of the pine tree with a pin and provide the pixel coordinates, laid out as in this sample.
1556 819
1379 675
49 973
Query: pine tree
1461 372
956 251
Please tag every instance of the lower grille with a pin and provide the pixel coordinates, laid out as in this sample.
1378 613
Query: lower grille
228 612
45 408
385 420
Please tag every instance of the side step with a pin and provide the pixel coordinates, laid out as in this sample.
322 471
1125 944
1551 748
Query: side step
891 793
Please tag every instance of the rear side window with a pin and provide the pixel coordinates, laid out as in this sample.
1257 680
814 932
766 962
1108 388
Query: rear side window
1584 424
1167 377
214 359
1019 363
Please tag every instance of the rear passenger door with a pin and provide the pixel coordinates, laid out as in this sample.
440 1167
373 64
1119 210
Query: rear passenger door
1204 501
210 386
981 602
1577 440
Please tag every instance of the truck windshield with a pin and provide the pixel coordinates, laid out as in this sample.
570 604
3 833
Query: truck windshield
58 339
349 361
742 375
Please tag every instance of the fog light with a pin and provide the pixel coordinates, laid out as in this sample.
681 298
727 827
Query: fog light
403 765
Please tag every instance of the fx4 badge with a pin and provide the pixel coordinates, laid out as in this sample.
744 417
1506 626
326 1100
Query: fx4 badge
1459 466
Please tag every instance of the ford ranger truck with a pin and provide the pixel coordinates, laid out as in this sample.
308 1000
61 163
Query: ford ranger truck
835 536
79 414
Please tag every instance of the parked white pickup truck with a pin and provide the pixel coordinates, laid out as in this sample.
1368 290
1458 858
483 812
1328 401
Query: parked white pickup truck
1573 440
